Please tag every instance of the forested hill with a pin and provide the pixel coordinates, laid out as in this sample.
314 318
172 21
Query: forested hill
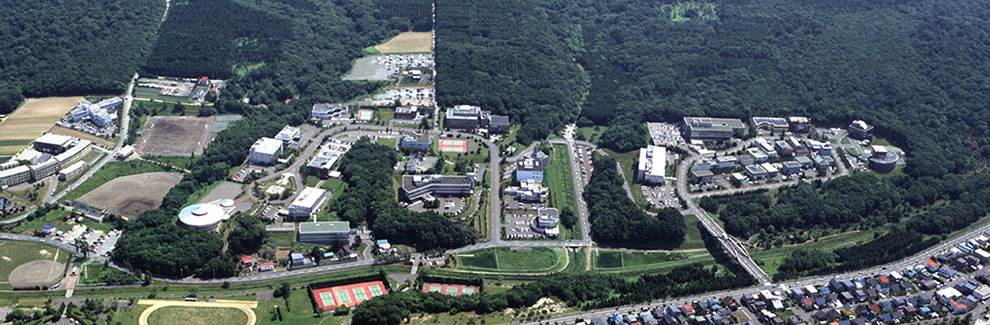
74 46
917 69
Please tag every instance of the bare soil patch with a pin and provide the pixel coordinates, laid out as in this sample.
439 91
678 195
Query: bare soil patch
175 136
408 42
132 195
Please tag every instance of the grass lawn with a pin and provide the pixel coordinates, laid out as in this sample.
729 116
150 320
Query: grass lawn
95 272
845 140
53 217
131 316
627 160
177 162
276 238
632 259
590 133
388 142
299 310
311 181
692 233
561 184
14 253
538 259
111 170
769 260
852 152
384 115
202 192
197 315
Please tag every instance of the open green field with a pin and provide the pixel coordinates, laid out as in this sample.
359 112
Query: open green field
111 170
769 260
505 259
589 133
692 234
97 273
53 217
298 310
561 185
197 316
14 253
388 142
631 259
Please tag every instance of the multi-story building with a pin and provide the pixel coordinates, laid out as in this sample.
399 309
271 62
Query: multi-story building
463 117
528 191
799 124
14 176
771 170
498 124
783 148
406 112
531 167
755 172
265 151
308 201
757 154
44 169
547 222
799 149
766 147
101 114
325 233
883 160
704 164
51 143
324 160
327 111
74 153
701 176
804 161
416 142
790 167
71 171
726 162
858 129
288 134
415 187
710 128
652 165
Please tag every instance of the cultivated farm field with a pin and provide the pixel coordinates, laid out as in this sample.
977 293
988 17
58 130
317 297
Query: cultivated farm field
31 120
408 42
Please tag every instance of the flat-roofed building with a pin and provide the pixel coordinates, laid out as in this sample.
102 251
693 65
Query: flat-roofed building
406 112
771 170
704 164
755 172
528 191
766 146
652 165
326 111
799 124
797 146
883 160
52 143
288 134
463 117
71 171
776 123
783 148
547 222
804 161
325 232
757 154
308 201
416 141
265 151
726 162
790 167
44 169
324 160
711 128
14 176
415 187
74 153
702 176
531 167
498 124
859 130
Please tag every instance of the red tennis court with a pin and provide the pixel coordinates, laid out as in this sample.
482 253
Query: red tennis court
455 146
348 295
450 289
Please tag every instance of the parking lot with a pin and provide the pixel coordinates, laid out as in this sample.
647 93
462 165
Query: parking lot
661 196
517 226
665 134
453 205
512 204
99 242
583 156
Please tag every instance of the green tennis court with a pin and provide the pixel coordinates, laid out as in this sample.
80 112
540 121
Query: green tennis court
434 288
375 291
366 115
360 294
467 291
343 296
452 291
327 298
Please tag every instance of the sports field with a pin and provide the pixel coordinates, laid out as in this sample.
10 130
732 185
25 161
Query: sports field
175 136
514 259
31 120
132 195
15 253
450 289
453 145
195 315
365 115
408 42
348 295
626 259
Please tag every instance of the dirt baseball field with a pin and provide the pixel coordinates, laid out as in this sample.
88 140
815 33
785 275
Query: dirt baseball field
175 136
31 120
408 42
132 195
37 274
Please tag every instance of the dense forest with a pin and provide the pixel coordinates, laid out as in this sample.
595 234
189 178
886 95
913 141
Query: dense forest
73 47
367 170
514 57
617 220
581 290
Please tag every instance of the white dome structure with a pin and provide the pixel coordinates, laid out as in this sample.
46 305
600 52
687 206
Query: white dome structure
205 216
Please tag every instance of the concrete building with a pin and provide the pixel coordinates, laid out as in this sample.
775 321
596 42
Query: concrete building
406 112
757 154
308 201
791 167
75 153
799 124
463 117
805 161
726 162
51 143
710 128
498 124
531 167
755 172
783 148
547 222
324 160
415 187
44 169
771 170
207 216
288 134
883 160
775 123
859 130
100 114
71 171
799 148
701 176
14 176
528 191
265 151
325 232
652 165
416 142
766 147
327 111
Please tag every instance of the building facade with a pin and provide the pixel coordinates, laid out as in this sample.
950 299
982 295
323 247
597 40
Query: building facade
265 151
710 128
308 201
652 165
531 167
325 111
325 233
415 187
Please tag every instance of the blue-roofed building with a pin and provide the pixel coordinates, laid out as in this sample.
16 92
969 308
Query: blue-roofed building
47 229
946 272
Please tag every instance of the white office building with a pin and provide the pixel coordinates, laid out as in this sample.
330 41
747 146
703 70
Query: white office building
327 111
531 167
652 165
265 151
288 134
308 201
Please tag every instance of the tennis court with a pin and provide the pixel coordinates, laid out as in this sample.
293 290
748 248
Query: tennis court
348 295
455 146
450 289
366 115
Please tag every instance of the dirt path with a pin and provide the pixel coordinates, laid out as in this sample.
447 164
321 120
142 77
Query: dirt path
244 306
